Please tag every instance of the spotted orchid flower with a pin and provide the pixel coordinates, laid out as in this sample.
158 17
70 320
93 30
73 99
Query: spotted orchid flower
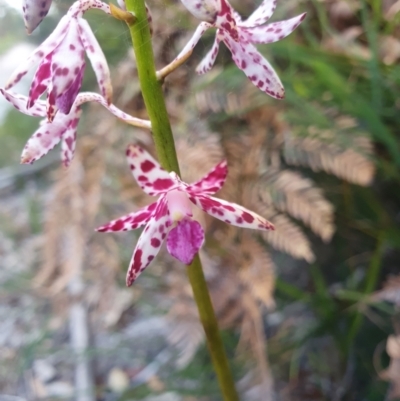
64 126
240 37
171 217
34 11
61 62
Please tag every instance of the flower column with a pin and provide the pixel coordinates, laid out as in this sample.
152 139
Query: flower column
165 147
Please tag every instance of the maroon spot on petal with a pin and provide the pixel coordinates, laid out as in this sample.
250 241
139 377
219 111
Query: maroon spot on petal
140 217
247 217
163 184
118 225
228 207
137 260
147 166
155 242
142 178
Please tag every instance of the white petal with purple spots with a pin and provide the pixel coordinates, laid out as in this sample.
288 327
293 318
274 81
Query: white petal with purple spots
256 67
231 213
148 173
261 15
131 221
149 243
34 12
212 182
97 59
272 32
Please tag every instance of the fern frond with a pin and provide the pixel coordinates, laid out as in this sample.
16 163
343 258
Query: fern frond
290 192
257 270
288 237
344 152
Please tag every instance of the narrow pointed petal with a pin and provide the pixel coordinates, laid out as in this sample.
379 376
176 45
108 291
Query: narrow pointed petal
40 81
85 97
34 12
68 141
226 19
44 49
80 7
68 60
272 32
185 240
97 59
256 67
261 15
149 243
148 173
20 103
204 10
65 101
209 60
212 182
198 33
131 221
43 140
231 213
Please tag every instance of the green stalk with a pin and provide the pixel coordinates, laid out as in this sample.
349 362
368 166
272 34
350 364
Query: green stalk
165 148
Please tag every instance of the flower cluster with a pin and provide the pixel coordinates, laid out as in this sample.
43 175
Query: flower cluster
171 217
240 36
60 65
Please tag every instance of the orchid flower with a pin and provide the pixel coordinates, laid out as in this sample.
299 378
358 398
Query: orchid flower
171 217
61 60
64 126
34 12
240 36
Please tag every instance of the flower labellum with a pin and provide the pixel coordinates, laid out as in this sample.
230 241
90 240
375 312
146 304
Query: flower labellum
34 13
61 62
240 37
170 217
64 126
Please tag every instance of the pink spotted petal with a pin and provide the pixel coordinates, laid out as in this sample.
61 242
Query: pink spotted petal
68 60
65 101
204 10
85 97
151 177
131 221
34 12
226 20
68 141
97 59
149 243
45 138
231 213
272 32
185 240
209 60
20 103
212 182
80 7
45 48
256 67
261 15
201 28
40 81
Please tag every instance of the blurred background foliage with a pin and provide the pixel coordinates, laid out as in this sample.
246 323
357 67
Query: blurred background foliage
309 312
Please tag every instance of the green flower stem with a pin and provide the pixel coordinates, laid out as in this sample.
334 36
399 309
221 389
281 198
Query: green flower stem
165 148
210 325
